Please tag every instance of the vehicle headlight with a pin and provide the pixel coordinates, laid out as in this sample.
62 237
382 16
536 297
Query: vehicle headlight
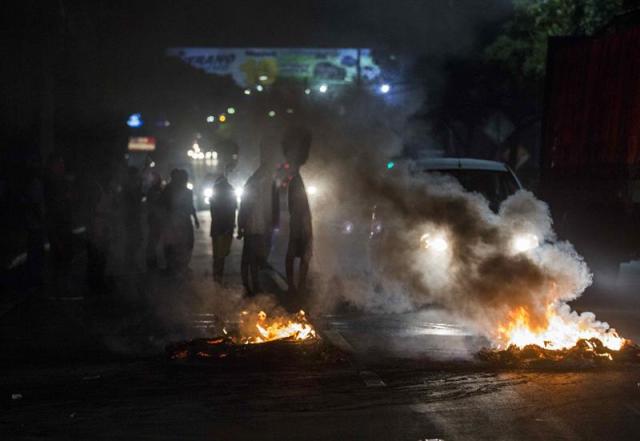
312 190
436 242
239 192
347 227
207 194
524 242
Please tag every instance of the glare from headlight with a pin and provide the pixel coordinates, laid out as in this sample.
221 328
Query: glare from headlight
524 242
434 242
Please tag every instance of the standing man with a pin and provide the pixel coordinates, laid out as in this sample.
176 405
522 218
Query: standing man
295 145
177 200
223 205
259 216
58 205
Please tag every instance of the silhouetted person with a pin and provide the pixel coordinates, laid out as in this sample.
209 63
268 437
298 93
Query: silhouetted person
155 219
178 202
223 205
258 217
34 218
295 145
102 206
132 206
58 206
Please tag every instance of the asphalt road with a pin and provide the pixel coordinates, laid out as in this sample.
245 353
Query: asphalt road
93 368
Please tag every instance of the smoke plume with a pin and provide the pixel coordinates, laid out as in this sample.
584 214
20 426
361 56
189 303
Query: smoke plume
479 277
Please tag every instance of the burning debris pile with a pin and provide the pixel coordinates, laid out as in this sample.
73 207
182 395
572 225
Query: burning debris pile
586 352
564 339
253 330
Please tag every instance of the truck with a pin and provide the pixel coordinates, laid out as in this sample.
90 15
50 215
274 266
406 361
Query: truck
590 156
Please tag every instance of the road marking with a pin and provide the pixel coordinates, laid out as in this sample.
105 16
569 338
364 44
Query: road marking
338 340
371 379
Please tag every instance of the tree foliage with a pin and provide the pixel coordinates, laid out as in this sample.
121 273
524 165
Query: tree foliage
522 48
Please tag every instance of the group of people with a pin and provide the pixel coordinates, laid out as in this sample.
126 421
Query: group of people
259 216
115 219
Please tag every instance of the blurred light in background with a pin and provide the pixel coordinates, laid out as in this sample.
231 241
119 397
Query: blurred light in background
247 91
385 88
195 147
312 190
263 78
259 88
222 118
231 110
135 120
390 165
272 113
323 88
211 118
289 110
189 185
307 91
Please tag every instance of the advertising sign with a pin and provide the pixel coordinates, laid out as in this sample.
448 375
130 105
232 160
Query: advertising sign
249 66
142 144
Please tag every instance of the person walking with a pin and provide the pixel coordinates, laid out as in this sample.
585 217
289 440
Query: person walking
223 205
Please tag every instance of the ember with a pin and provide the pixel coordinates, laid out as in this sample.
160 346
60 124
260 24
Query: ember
254 329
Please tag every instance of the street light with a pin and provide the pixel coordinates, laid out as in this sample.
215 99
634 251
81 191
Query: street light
211 118
231 110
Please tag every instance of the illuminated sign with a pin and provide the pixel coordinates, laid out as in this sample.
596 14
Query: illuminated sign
135 120
262 66
142 144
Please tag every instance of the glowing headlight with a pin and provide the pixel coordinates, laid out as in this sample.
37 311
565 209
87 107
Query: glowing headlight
524 242
434 242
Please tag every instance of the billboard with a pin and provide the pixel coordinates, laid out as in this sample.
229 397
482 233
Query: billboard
142 144
250 66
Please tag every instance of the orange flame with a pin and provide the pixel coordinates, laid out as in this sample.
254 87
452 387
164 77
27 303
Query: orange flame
561 331
280 328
